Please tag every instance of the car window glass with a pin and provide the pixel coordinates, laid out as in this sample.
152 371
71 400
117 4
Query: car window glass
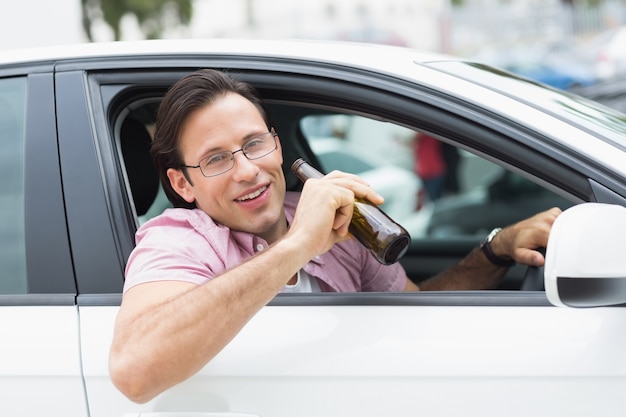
12 235
433 189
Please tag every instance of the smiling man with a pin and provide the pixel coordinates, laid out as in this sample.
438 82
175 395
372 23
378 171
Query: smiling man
250 198
236 238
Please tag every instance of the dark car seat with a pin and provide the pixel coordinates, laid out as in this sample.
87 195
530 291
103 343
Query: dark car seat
142 174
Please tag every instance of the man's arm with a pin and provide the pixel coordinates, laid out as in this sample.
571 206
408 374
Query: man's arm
517 242
166 331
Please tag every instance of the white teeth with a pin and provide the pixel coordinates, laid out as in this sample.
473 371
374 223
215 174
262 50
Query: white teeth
252 195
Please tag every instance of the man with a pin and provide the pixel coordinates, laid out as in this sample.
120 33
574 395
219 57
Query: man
200 271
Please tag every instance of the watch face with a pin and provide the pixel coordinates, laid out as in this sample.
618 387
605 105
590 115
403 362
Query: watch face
493 234
493 258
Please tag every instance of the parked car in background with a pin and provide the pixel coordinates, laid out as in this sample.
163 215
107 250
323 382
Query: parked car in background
607 51
75 126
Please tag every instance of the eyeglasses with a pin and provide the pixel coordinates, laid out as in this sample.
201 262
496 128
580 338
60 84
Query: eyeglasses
222 162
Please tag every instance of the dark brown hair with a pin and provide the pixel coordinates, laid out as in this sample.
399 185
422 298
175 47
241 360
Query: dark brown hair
189 94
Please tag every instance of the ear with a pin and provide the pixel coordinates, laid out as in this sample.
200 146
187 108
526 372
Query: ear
179 183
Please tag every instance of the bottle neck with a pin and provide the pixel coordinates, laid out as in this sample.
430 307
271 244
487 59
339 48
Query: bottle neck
303 170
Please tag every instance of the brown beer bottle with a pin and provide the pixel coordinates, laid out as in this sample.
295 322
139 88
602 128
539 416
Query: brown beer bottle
385 238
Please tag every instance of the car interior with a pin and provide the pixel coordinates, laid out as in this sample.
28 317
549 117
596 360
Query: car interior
442 231
142 175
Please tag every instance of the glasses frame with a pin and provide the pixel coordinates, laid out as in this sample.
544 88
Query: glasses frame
232 156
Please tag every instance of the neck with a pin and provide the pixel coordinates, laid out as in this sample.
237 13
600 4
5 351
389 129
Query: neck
277 232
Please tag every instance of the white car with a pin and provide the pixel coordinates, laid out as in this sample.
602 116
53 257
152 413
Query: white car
77 181
608 53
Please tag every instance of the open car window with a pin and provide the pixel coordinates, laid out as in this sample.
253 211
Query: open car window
434 189
447 198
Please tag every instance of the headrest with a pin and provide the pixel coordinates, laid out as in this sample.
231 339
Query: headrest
142 174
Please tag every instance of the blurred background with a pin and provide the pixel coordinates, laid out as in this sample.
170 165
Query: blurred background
569 44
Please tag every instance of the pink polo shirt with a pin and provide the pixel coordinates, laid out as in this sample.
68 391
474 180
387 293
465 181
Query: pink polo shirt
187 245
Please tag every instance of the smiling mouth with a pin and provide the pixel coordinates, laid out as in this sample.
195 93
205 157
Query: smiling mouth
252 195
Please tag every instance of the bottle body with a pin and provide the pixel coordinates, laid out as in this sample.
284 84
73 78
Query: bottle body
371 226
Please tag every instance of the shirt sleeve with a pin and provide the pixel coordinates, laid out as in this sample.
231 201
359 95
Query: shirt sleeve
169 253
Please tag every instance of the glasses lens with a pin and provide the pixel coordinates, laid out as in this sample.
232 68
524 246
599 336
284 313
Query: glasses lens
259 147
216 164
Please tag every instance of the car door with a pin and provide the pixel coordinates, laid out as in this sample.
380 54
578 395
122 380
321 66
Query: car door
460 353
39 354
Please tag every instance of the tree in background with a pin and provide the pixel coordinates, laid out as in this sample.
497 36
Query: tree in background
153 16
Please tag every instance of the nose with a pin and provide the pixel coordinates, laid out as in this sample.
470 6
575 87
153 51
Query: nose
244 169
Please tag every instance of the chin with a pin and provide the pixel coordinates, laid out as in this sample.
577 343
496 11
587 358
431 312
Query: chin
267 228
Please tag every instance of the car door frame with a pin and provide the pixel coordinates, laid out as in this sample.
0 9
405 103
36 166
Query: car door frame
412 106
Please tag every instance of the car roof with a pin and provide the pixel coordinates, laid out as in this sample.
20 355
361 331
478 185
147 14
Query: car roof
472 82
355 54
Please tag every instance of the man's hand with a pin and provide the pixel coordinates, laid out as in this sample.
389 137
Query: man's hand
520 240
325 209
475 272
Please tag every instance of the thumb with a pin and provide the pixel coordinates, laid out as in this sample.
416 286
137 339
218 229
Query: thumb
531 257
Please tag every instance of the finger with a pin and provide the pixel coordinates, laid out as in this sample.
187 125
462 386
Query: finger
365 192
356 184
340 174
529 257
342 223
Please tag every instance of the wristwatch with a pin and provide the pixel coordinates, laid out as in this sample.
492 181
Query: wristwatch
493 258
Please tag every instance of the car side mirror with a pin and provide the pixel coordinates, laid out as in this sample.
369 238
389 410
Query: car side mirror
586 257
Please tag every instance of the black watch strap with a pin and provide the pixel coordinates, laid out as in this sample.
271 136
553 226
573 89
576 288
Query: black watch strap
488 251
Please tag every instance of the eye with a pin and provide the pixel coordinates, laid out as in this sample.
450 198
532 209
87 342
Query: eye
217 159
256 142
